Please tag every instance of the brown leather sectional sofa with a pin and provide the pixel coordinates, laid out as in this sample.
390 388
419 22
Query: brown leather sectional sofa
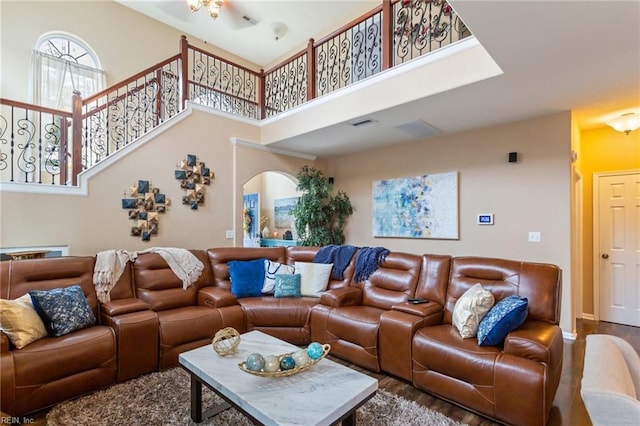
151 319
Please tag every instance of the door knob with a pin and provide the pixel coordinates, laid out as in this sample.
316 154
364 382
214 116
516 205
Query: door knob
605 256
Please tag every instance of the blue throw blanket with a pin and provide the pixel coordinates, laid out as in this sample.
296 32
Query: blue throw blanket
367 261
339 255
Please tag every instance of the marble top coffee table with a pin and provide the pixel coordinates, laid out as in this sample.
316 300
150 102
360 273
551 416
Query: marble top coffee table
325 394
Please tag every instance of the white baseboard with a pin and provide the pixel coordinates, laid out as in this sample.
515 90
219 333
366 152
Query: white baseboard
566 335
589 317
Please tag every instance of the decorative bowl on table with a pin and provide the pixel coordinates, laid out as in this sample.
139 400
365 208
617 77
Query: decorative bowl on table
285 365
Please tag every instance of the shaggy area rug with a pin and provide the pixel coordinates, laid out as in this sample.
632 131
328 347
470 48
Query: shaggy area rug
163 398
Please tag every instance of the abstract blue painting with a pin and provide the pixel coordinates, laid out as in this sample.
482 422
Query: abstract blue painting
416 207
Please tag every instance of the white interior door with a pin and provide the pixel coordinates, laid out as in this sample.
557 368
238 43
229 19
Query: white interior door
617 252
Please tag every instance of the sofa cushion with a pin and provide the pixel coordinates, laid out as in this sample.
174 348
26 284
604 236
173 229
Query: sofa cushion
247 277
287 285
504 317
271 268
20 321
314 277
63 310
469 310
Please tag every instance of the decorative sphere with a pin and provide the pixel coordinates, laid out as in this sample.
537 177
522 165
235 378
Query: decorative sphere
255 362
315 350
226 341
301 358
287 363
271 364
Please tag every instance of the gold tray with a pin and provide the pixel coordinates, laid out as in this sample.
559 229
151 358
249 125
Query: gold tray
285 373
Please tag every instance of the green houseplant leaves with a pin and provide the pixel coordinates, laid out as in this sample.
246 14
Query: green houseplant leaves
320 216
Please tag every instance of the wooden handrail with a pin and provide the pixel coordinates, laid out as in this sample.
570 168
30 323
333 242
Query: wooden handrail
32 107
117 98
348 26
131 79
204 52
204 86
286 61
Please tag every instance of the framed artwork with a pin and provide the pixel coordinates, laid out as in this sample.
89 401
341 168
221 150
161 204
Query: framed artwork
416 207
282 208
251 215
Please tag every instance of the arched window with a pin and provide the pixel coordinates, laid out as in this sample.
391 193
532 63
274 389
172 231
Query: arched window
62 64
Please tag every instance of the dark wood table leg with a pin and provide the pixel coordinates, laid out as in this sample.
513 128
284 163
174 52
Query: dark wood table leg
196 399
197 415
350 420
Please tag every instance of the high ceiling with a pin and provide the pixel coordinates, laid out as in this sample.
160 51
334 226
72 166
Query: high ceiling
582 56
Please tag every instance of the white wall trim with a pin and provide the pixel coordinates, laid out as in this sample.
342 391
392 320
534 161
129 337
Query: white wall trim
589 317
210 110
566 335
260 147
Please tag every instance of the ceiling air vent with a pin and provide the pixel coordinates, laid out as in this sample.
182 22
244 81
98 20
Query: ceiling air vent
363 122
418 128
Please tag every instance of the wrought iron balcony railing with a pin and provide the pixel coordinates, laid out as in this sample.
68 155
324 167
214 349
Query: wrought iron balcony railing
42 145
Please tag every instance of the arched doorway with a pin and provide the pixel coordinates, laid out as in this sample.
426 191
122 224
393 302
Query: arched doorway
267 200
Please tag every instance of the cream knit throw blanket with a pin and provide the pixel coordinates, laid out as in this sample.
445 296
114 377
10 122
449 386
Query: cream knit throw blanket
110 265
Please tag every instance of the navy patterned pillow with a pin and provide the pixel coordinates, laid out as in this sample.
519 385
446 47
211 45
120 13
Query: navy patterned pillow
504 317
63 310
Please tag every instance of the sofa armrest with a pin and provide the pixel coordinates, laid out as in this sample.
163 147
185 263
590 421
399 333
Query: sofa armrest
345 296
4 342
123 306
420 309
536 340
216 297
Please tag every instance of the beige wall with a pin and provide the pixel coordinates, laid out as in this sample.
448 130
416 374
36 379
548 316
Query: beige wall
109 28
602 150
531 195
88 224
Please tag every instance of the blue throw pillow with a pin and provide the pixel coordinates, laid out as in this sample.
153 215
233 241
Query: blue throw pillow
247 277
504 317
63 310
287 285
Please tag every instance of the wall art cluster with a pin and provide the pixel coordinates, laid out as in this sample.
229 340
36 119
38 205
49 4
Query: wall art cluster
416 207
193 176
145 204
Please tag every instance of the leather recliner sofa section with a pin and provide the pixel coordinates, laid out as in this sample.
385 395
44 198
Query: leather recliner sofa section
53 369
515 383
151 319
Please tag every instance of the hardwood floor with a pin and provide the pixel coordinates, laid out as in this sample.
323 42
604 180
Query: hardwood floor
568 408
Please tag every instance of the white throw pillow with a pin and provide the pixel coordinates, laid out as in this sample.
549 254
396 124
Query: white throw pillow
272 268
20 321
469 310
314 277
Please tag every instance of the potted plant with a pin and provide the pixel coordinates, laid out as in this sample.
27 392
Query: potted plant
320 217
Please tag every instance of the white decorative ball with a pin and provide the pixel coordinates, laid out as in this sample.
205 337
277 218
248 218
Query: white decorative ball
271 364
301 358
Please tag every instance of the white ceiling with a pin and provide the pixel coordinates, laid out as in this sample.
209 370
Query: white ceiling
556 56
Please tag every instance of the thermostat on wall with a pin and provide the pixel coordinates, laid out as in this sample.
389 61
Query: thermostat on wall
485 219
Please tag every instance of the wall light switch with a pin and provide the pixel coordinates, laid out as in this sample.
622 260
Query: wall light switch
534 237
229 234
